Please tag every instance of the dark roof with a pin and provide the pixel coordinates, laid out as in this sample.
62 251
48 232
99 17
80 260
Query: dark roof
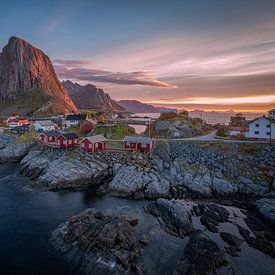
76 117
52 133
268 118
70 136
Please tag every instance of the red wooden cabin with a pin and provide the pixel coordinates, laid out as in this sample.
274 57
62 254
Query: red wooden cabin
142 144
93 143
86 127
67 140
49 137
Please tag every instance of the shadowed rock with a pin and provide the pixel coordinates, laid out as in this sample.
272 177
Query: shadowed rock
200 256
173 216
110 237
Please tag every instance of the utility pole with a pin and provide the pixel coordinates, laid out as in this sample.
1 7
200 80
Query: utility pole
270 131
149 126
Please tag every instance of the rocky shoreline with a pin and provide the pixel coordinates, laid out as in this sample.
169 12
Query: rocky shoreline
189 185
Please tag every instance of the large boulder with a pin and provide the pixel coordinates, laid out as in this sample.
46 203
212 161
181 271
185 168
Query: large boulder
133 181
200 256
173 216
62 172
112 238
14 152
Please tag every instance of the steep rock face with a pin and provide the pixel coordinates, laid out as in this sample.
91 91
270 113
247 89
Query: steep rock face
90 97
28 80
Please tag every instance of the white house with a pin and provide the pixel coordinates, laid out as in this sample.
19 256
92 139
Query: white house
43 125
262 128
235 131
74 120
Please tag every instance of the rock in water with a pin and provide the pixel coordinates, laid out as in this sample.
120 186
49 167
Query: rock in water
28 82
14 152
54 172
90 97
173 216
200 256
109 237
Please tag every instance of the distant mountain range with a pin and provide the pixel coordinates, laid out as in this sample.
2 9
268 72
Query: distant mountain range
134 106
90 97
28 82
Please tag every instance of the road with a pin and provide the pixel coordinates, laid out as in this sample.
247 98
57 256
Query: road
209 137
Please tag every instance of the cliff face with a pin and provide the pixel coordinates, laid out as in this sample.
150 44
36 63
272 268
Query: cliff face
28 82
90 97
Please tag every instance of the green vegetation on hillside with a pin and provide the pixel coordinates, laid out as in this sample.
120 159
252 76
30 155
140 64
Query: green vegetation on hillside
115 132
26 104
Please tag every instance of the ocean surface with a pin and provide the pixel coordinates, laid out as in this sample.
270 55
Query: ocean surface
28 217
209 117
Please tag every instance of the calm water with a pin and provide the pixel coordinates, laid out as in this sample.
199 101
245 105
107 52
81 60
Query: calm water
27 218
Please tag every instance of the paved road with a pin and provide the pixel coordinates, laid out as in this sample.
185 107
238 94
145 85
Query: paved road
209 137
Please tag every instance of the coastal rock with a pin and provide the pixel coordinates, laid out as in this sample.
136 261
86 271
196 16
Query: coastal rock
230 239
14 152
112 238
211 215
201 255
173 216
266 207
53 171
133 181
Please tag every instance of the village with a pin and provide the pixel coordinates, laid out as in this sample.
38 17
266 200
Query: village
93 132
80 131
258 129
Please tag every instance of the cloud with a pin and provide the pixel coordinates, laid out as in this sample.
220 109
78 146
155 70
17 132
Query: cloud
122 78
71 63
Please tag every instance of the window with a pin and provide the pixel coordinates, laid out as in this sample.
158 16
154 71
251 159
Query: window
69 142
257 125
82 145
90 145
256 132
268 125
268 133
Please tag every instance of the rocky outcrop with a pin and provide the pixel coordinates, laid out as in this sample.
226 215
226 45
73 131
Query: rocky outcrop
201 255
173 216
215 170
111 238
211 215
28 83
266 207
54 171
137 182
14 151
179 126
90 97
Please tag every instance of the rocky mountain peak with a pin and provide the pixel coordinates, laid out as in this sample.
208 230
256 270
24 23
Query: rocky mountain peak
90 97
26 73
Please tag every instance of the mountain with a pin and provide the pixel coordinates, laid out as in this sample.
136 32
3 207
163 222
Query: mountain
135 106
28 82
90 97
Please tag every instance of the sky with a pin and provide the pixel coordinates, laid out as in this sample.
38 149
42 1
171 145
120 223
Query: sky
201 54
